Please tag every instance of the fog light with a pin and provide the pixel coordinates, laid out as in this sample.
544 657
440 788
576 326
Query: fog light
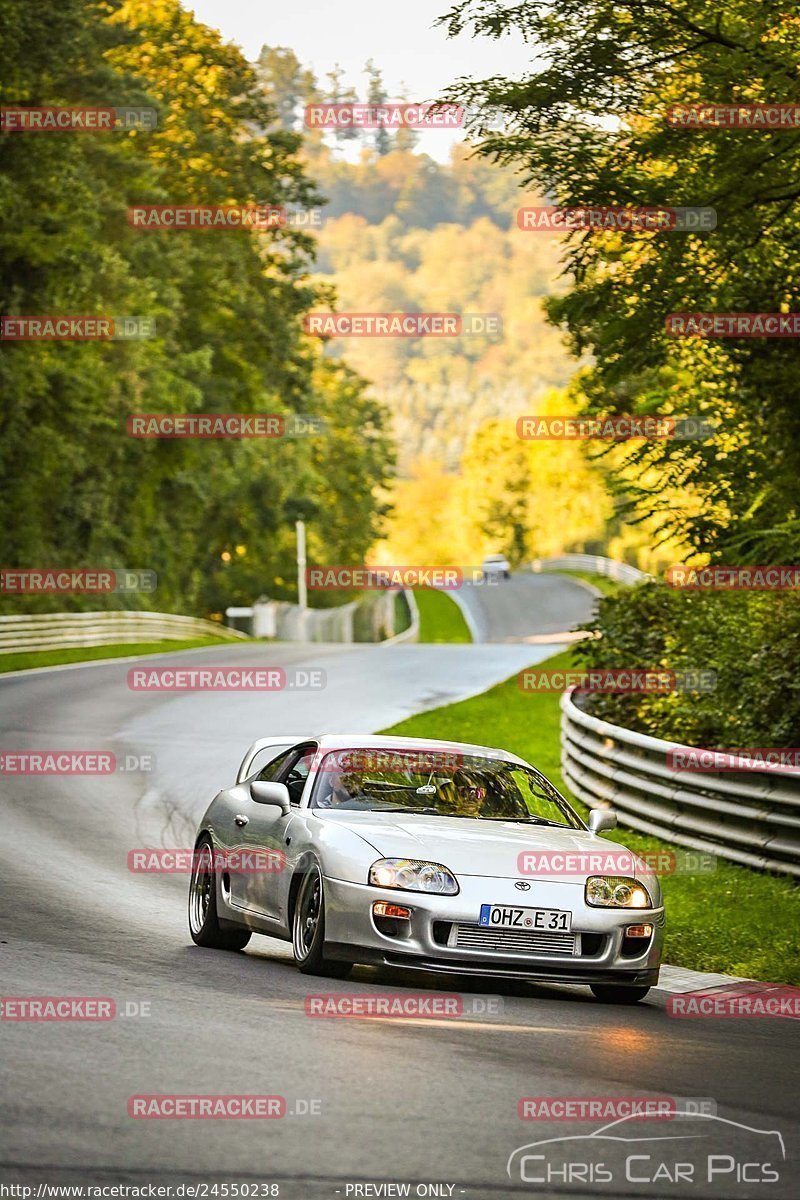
639 931
383 909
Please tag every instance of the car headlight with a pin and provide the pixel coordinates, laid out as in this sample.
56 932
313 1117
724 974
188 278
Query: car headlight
616 891
411 875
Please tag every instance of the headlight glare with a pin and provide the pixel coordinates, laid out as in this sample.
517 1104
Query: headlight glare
616 891
411 875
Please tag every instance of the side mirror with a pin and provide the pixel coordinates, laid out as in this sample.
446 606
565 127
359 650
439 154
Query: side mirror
276 794
602 818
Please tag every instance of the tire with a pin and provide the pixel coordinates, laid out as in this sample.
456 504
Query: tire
204 924
609 993
308 929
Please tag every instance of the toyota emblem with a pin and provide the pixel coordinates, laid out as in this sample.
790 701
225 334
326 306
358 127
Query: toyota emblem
522 886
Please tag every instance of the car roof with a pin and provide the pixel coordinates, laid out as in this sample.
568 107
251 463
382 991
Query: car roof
366 741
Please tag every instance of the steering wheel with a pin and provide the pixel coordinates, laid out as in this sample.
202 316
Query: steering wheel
295 783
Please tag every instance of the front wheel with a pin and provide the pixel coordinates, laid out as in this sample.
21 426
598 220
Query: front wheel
308 929
204 924
607 993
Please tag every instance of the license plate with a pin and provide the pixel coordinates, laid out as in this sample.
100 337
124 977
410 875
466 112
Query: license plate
506 916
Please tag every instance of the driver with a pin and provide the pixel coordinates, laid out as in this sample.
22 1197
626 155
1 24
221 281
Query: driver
470 795
336 793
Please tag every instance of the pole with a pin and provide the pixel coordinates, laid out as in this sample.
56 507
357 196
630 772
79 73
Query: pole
302 594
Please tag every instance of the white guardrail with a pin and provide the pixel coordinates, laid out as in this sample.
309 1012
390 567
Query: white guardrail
369 619
623 572
54 631
750 817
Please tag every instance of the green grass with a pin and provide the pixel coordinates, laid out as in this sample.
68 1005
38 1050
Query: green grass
609 587
733 920
402 619
55 658
440 618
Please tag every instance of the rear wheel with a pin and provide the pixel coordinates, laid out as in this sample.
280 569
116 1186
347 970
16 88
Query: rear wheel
608 993
308 929
204 924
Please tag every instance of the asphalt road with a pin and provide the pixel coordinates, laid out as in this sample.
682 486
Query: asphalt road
371 1102
526 608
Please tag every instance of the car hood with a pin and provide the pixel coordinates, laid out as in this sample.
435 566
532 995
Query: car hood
467 846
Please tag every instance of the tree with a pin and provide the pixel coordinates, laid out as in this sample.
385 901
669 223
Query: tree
533 499
590 128
377 97
406 138
338 93
209 517
288 86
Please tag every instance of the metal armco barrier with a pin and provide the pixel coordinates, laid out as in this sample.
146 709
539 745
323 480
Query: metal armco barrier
622 572
52 631
749 817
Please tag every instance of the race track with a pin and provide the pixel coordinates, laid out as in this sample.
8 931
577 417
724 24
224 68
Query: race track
394 1101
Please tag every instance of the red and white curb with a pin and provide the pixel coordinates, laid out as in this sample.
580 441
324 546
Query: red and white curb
681 979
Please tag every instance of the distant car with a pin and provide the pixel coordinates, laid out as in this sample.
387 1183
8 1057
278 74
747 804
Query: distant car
406 852
496 565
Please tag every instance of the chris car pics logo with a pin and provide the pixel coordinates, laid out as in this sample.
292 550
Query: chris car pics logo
695 1153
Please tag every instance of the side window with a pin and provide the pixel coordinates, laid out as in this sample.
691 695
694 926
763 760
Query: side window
295 778
268 764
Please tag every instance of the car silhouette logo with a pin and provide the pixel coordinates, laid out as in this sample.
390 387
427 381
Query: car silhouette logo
522 886
611 1135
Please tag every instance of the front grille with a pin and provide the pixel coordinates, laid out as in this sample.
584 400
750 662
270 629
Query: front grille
510 941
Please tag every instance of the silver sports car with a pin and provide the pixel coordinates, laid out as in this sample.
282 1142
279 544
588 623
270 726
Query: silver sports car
436 856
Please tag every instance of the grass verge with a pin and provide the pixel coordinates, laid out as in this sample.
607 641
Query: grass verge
440 618
56 658
733 920
609 587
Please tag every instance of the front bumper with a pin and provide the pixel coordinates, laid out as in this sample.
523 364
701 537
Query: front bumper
601 952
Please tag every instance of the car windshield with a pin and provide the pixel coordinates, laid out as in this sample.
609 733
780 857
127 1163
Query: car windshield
438 784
